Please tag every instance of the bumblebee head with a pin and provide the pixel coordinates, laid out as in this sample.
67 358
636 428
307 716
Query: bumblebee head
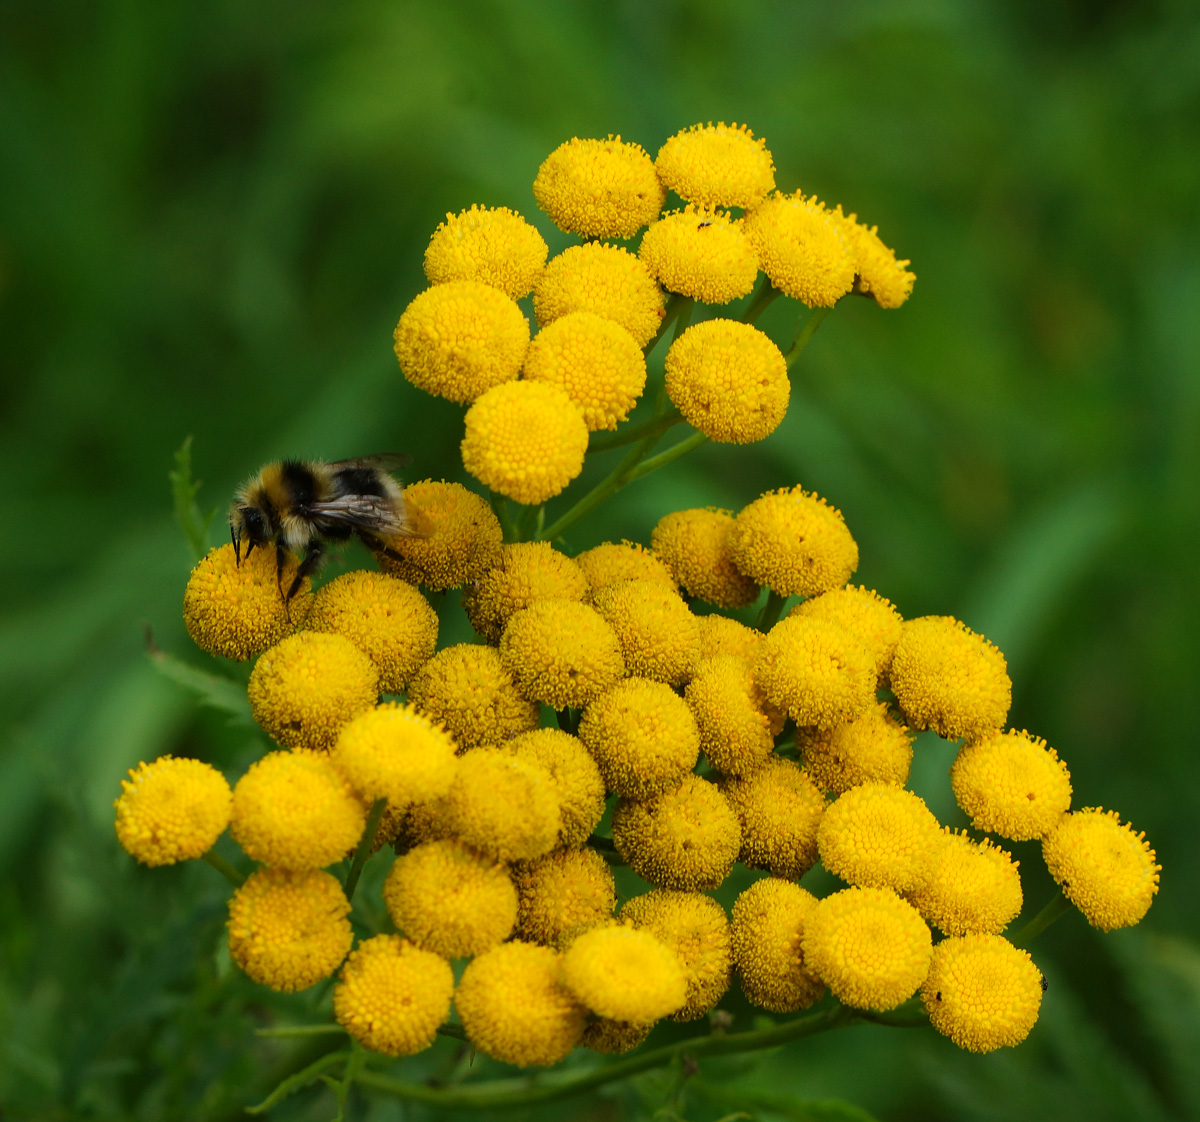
247 522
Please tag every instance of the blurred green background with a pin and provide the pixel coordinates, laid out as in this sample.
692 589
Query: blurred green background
211 216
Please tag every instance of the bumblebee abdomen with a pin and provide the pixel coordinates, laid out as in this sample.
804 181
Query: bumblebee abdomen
359 481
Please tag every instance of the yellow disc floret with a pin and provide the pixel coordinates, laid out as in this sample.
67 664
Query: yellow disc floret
563 890
1106 870
974 889
982 992
599 188
780 810
737 735
722 636
610 562
305 689
873 748
172 810
695 546
803 248
523 573
494 245
578 785
659 635
238 610
865 614
700 253
878 273
1011 784
717 165
614 1038
624 974
391 997
460 339
765 937
288 930
525 440
871 948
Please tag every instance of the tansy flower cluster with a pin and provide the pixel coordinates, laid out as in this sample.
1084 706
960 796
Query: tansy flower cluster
611 686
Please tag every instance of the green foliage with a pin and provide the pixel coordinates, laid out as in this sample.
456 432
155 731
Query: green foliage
194 524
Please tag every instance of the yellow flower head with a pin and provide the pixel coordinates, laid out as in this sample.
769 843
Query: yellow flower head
171 810
949 679
1106 870
659 636
605 279
700 253
288 930
457 537
563 890
524 572
737 735
975 888
695 928
722 636
624 974
695 545
385 618
599 188
982 992
525 440
794 542
817 671
1011 784
873 748
803 248
460 339
514 1007
717 165
766 934
611 562
578 784
879 274
562 652
865 614
451 900
396 753
493 245
871 948
686 838
779 809
391 997
305 689
238 610
879 836
504 806
643 736
595 360
728 380
614 1038
467 689
295 810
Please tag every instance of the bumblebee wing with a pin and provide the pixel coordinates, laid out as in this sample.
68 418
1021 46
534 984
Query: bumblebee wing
374 514
383 461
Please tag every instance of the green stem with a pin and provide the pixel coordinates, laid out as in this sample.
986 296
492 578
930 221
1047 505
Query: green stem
673 308
224 868
500 507
761 300
364 847
607 849
805 330
656 426
1058 907
771 610
284 1032
664 458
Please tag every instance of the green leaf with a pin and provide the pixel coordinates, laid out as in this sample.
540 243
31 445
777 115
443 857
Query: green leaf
305 1077
192 521
214 690
784 1106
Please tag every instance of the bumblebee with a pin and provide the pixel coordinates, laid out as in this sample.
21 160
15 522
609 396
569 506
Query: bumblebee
302 505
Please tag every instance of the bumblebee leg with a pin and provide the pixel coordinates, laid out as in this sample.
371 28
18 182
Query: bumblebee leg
313 560
237 545
376 545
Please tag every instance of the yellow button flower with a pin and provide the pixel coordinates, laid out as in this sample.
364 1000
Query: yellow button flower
451 900
514 1008
873 748
695 546
624 974
391 997
578 785
610 562
949 679
642 735
396 753
563 890
525 440
728 380
1106 870
779 809
865 614
605 279
794 542
599 188
659 635
879 274
765 938
694 926
524 572
467 690
737 735
460 339
288 930
238 610
172 810
871 948
595 360
722 636
700 253
982 992
387 619
295 810
305 689
1011 784
494 245
717 165
803 248
975 888
686 838
457 537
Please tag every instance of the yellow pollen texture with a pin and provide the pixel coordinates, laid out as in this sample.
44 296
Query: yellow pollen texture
493 245
695 545
524 572
717 165
779 809
803 248
765 937
700 253
171 810
625 974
